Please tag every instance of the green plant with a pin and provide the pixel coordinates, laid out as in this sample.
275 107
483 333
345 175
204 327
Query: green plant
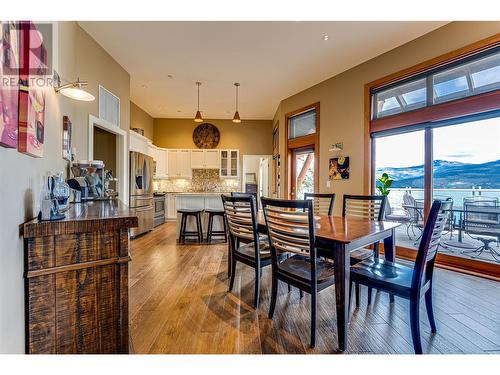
384 183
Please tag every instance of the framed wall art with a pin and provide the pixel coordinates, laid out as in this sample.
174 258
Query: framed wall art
339 168
66 138
9 83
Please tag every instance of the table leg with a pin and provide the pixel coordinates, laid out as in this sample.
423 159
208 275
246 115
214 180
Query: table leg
342 275
460 223
390 253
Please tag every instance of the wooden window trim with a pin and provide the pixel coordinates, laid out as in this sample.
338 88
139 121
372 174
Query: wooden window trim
300 142
479 103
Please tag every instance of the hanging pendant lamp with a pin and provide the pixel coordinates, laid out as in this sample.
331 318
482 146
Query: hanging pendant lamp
198 117
236 117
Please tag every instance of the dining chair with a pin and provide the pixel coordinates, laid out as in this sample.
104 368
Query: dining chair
244 243
409 282
370 207
291 229
322 203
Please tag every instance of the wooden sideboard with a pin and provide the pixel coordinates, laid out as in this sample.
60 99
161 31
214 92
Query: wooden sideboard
76 280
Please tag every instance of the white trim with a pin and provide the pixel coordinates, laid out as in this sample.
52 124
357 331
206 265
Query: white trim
121 151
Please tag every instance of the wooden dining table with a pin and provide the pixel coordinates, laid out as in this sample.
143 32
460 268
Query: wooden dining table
341 236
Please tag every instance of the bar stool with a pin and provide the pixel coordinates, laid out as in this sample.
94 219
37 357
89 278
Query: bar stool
211 214
183 233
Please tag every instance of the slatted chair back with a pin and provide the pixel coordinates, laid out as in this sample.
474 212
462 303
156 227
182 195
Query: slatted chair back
291 227
322 203
364 206
240 215
481 215
428 248
241 194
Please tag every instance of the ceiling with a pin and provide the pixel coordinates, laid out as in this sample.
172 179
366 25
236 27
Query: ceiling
271 60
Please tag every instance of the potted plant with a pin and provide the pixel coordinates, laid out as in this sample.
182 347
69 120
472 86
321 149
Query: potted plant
383 186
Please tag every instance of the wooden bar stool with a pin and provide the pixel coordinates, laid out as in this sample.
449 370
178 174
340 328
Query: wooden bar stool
183 233
210 233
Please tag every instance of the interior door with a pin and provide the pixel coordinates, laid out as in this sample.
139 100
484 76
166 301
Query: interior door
302 177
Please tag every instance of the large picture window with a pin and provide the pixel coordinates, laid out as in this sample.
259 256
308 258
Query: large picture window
436 132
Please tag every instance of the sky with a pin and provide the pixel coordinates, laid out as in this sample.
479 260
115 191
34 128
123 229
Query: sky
474 142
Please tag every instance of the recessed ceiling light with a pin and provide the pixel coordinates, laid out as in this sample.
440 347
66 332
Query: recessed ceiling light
170 76
144 86
179 111
325 37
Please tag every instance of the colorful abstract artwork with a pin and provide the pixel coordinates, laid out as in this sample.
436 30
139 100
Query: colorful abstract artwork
31 96
9 84
339 168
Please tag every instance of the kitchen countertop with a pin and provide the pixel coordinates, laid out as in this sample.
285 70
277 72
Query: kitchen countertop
195 193
85 217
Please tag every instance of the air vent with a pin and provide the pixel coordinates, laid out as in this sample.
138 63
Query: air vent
109 106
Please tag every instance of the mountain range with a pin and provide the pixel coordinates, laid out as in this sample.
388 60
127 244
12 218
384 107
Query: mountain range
447 175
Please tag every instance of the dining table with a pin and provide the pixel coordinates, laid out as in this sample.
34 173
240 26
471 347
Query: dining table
341 235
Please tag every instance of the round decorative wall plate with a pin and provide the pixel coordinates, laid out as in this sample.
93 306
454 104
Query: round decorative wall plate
206 136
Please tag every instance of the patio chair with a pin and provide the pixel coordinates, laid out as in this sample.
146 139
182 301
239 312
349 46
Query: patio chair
414 209
482 223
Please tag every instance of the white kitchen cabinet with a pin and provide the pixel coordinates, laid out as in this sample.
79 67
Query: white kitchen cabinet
179 163
160 157
171 211
197 159
138 142
229 163
205 159
212 159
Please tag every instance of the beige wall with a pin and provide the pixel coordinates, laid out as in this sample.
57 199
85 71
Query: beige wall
141 119
250 137
342 98
79 56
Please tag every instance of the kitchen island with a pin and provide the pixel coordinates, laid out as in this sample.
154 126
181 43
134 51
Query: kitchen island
76 280
199 201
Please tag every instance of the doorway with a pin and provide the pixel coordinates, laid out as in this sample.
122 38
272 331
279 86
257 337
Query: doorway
256 175
105 150
303 176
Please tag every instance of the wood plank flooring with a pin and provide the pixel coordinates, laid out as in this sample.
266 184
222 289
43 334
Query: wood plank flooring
179 304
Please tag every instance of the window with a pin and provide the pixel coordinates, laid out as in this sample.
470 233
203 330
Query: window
302 124
455 81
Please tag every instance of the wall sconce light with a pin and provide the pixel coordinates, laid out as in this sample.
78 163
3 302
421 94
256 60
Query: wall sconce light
339 146
73 90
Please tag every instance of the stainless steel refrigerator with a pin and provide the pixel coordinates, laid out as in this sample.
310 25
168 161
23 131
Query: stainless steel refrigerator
141 191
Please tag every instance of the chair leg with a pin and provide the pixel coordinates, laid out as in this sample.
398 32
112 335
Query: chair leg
369 295
233 271
356 286
198 226
229 257
430 311
257 287
301 293
314 313
391 298
274 295
225 230
415 325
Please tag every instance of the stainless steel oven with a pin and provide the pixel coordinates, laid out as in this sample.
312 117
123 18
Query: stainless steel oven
159 209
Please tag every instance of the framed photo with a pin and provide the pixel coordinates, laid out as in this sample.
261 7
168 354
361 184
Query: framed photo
9 84
66 138
339 168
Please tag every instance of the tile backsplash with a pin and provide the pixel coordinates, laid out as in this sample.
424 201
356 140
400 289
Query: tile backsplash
203 180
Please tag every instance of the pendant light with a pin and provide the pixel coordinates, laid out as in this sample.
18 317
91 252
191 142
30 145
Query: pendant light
198 117
236 117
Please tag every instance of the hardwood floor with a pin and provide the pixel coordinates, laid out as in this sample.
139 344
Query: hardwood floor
179 304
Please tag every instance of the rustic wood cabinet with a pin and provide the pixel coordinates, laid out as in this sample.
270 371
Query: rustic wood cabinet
76 280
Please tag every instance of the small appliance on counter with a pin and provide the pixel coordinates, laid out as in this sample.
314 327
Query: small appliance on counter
91 181
54 198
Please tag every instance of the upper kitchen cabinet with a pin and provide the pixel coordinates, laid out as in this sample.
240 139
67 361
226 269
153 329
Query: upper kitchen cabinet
160 157
138 143
179 163
205 159
229 163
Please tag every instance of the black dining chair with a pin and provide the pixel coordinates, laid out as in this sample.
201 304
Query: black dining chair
291 229
409 282
244 243
370 207
322 203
